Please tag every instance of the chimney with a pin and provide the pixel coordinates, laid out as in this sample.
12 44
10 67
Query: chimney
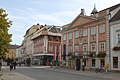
82 12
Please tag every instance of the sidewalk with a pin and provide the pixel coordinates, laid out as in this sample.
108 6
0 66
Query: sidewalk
11 75
110 75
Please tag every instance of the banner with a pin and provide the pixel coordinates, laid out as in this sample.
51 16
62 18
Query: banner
55 53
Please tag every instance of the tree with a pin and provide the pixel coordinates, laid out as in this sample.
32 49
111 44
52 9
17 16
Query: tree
5 37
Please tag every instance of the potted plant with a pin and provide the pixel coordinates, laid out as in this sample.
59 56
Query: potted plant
116 48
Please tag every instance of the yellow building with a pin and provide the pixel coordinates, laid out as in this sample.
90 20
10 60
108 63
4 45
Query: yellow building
11 51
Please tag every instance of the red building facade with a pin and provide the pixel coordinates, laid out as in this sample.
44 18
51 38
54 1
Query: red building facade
44 44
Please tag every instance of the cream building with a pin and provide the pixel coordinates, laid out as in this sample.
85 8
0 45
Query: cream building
115 41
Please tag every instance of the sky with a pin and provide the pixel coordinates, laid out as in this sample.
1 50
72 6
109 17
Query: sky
25 13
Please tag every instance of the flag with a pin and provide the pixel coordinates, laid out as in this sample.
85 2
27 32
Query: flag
55 53
60 52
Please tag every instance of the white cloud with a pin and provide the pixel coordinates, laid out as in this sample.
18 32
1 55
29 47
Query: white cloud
51 12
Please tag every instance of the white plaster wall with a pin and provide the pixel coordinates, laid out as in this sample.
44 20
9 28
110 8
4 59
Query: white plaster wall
113 42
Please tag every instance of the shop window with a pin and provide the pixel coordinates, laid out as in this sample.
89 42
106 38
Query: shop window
115 62
93 62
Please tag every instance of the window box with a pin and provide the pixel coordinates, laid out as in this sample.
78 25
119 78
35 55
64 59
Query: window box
101 54
116 48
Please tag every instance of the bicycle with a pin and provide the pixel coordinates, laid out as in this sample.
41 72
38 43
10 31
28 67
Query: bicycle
101 70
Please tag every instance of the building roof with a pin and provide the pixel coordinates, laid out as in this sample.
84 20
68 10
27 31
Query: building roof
94 11
112 7
116 17
13 46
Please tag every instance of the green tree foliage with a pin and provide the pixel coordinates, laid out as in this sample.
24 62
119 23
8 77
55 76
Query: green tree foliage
5 37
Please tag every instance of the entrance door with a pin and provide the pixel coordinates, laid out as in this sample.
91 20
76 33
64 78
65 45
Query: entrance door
78 64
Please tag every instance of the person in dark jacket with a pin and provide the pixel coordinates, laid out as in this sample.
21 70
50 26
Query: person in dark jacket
14 64
11 66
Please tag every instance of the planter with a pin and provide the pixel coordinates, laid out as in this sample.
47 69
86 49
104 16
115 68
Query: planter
116 48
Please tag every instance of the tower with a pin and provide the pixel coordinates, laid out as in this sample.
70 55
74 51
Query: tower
94 11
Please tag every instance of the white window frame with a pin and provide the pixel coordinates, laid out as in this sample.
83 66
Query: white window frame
70 35
85 48
85 32
81 32
93 30
76 34
76 48
70 48
93 47
102 28
102 46
64 36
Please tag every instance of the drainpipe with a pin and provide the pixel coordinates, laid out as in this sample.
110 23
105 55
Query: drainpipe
109 43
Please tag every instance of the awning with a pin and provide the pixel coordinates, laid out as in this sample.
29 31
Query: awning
43 54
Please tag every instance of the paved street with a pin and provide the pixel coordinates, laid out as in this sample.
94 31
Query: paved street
54 74
61 73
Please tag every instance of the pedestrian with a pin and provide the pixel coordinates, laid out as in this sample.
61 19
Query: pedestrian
11 66
51 64
106 68
83 67
14 64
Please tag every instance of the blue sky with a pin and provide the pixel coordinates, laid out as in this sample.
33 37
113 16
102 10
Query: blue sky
25 13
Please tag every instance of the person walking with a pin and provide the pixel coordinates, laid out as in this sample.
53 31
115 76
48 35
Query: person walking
106 68
83 66
11 66
51 64
14 64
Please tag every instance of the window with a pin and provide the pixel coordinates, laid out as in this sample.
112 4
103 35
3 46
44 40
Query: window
80 41
93 47
57 39
93 30
102 28
76 34
80 32
70 48
50 38
76 48
118 38
64 37
102 46
85 47
70 35
50 48
102 63
115 62
85 32
93 62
